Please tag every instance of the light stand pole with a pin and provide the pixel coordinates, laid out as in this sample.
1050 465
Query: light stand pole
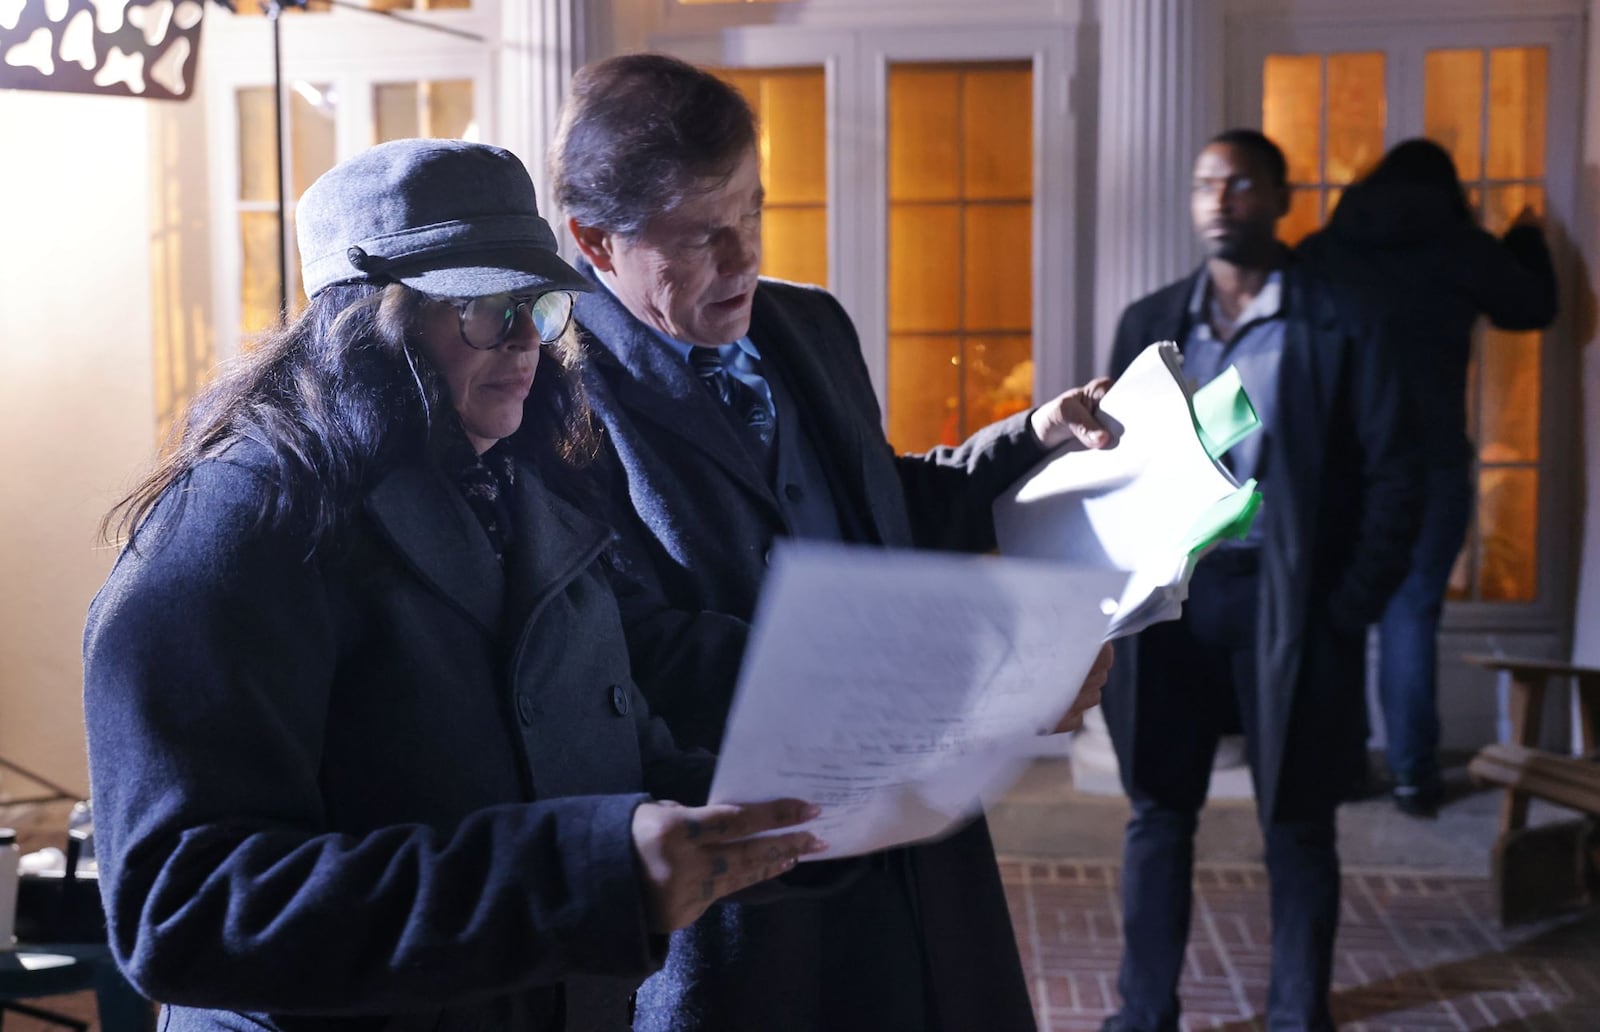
273 9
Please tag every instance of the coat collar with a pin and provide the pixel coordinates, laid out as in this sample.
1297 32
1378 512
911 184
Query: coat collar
428 522
657 384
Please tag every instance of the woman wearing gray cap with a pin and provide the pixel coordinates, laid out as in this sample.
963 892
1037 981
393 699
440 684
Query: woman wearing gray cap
364 746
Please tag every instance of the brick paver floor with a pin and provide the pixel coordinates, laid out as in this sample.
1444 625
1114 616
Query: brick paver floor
1414 953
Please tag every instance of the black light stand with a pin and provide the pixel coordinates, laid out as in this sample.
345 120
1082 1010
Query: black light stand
273 9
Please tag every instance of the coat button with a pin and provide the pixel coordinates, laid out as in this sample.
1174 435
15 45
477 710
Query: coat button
525 707
619 700
794 492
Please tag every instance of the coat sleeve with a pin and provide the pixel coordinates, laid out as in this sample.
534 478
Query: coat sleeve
211 657
1390 466
950 492
1515 280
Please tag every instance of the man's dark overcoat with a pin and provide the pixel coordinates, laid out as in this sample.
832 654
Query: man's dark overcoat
388 787
1340 514
697 523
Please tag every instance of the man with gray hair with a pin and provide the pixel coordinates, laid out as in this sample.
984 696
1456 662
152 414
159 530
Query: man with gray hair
738 410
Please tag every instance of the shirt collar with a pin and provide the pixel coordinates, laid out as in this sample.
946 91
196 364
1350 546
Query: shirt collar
1267 304
727 351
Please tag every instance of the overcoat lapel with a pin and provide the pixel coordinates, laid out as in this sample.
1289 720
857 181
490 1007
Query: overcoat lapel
658 386
429 523
835 428
553 542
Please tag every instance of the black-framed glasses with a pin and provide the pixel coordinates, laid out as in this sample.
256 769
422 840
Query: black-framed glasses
486 322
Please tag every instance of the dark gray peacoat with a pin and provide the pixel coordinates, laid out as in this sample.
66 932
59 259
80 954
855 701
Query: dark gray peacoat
1340 515
697 520
390 787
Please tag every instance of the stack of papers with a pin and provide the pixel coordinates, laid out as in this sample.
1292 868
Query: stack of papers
1153 503
894 689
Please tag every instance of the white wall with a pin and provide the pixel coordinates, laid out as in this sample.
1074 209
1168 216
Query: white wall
75 395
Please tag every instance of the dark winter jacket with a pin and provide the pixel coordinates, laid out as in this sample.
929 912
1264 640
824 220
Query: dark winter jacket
1340 515
1431 272
698 518
389 787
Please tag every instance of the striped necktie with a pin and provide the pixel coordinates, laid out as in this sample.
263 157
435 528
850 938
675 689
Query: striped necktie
745 405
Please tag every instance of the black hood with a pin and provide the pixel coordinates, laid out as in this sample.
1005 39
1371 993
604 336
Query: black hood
1393 214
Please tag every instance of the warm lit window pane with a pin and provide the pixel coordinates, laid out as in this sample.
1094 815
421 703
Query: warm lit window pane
396 114
312 146
998 377
441 109
1517 112
924 391
1507 202
1453 106
1292 111
925 268
258 151
1331 201
1510 428
794 244
960 133
1305 207
997 298
793 113
997 120
790 105
1356 113
1508 520
258 286
924 144
449 111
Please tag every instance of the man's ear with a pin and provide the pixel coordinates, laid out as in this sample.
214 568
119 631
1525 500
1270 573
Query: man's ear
1284 198
594 244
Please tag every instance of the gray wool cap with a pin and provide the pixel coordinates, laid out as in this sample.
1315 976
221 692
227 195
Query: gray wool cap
446 217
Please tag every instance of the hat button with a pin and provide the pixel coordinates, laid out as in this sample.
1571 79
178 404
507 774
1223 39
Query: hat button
357 257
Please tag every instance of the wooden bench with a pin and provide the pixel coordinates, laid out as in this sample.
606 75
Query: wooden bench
1540 871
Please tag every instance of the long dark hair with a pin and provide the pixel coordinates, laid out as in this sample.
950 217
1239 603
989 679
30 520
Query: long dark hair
339 397
1423 164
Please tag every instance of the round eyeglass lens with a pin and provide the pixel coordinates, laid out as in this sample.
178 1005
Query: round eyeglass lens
552 311
486 321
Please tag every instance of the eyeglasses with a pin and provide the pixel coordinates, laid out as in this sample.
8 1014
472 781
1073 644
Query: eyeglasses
486 322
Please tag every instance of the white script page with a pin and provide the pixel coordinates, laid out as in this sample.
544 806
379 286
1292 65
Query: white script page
893 688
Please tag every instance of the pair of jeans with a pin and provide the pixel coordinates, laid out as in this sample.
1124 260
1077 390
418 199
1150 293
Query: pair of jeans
1408 632
1197 682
